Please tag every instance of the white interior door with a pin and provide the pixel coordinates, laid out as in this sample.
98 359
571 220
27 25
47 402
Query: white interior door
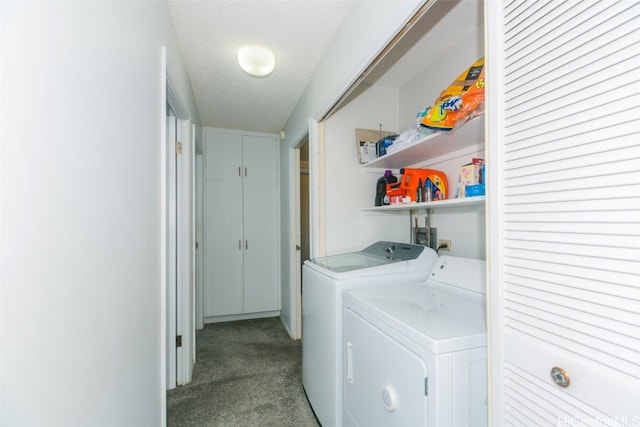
564 217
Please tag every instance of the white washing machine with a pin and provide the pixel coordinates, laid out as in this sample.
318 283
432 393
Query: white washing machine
383 264
415 355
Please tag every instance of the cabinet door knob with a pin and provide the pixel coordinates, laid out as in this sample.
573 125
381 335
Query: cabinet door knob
239 244
246 244
560 377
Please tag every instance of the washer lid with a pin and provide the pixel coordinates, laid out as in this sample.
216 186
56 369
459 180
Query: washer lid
377 254
351 261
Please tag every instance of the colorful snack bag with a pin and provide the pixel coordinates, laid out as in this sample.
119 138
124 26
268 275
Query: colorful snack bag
460 102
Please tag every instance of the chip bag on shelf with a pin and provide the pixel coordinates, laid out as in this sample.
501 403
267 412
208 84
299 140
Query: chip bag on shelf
460 102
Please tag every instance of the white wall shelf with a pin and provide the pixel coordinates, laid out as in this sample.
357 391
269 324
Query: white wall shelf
433 145
439 204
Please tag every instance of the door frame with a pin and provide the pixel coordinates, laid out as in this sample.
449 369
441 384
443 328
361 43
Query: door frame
171 245
295 230
316 221
316 188
199 232
178 243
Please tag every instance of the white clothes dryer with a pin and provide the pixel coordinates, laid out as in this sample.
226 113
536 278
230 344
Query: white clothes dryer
415 355
382 264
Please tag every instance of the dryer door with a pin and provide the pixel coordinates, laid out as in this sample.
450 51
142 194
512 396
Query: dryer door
384 382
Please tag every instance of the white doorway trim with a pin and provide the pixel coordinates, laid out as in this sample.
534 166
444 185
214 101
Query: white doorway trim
199 211
316 188
186 258
178 239
316 227
172 265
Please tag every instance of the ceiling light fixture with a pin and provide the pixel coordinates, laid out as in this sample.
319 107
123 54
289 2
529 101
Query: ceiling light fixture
256 61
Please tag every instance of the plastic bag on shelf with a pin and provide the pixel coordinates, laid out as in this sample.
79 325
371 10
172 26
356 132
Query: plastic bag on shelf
405 139
460 102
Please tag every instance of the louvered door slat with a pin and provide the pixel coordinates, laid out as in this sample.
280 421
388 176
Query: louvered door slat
623 283
543 59
581 289
572 160
590 310
566 210
591 139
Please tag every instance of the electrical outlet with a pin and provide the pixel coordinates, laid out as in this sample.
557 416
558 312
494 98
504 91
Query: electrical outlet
444 245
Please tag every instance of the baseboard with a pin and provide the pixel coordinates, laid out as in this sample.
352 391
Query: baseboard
244 316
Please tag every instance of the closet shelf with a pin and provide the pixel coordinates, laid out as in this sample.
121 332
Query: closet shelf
440 204
433 145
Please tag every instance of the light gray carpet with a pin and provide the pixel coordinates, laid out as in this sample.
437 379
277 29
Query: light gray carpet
247 373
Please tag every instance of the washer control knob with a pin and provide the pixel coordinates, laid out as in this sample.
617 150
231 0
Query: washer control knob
391 251
389 398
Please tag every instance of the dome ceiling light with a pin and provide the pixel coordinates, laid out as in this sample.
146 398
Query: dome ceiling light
256 61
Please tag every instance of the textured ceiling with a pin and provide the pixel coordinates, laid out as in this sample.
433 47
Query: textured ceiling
298 32
210 33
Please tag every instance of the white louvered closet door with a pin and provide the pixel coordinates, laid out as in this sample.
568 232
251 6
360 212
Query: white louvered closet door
563 110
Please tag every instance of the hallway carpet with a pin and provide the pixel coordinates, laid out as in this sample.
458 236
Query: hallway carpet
247 373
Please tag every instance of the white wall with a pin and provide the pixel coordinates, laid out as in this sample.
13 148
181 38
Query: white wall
464 227
81 208
348 186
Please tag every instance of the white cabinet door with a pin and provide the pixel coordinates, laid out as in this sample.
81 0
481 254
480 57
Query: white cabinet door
261 288
564 226
224 248
260 158
224 238
242 224
224 155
